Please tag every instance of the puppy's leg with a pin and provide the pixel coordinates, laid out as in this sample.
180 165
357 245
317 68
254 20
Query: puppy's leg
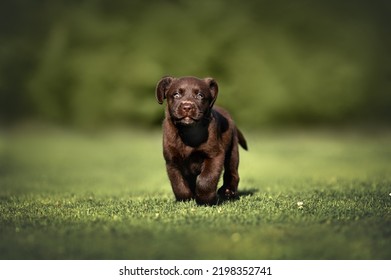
206 182
179 185
231 175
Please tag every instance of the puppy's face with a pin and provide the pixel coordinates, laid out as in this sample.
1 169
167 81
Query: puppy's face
189 99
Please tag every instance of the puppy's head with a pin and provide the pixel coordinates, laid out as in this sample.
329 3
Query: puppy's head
189 99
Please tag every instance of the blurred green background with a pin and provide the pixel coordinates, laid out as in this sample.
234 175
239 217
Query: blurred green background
96 63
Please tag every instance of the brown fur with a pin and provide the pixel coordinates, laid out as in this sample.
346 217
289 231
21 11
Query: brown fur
199 140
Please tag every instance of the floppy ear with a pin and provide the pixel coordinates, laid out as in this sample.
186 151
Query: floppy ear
161 88
214 89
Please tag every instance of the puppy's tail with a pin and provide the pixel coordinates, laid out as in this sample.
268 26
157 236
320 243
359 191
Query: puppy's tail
241 139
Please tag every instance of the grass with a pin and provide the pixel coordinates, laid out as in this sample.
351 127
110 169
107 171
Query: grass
316 195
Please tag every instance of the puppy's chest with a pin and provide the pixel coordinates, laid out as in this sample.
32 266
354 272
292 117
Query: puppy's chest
192 164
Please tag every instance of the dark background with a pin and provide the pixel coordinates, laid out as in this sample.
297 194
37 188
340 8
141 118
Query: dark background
96 63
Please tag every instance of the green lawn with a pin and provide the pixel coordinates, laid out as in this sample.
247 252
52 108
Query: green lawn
304 195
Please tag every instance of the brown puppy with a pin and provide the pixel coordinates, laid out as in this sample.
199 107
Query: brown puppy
199 140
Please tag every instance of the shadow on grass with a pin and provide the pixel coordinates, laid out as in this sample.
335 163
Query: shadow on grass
247 192
242 193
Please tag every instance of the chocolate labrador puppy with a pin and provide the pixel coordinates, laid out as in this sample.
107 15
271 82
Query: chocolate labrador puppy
199 140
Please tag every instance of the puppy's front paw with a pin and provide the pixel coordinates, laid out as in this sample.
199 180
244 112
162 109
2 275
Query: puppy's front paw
227 193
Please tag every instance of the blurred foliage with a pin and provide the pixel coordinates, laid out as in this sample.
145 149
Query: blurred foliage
90 63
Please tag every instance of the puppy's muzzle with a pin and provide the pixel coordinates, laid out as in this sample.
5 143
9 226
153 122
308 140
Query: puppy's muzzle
187 108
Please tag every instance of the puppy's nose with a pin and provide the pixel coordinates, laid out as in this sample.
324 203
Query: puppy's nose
186 106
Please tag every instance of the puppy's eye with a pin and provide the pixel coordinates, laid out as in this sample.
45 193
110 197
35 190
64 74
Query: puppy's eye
199 95
176 95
